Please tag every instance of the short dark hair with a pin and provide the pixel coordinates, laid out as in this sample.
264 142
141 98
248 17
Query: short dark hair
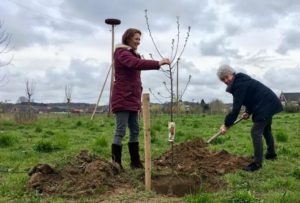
128 34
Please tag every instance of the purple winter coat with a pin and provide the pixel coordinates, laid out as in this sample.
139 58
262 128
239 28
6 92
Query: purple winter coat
127 88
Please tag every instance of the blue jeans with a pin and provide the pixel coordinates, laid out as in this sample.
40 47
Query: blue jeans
124 119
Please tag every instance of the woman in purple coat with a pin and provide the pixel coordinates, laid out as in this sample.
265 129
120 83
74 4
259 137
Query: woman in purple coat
126 94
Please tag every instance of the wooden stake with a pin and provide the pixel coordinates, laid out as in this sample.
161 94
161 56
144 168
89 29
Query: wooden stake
147 140
95 109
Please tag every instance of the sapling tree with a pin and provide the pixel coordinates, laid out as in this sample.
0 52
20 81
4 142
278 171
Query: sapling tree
175 55
68 94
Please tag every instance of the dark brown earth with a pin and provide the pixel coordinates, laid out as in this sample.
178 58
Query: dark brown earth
195 167
85 175
193 157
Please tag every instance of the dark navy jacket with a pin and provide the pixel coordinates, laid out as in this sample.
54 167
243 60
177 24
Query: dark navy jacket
259 100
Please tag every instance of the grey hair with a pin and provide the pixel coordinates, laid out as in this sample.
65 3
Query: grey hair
224 70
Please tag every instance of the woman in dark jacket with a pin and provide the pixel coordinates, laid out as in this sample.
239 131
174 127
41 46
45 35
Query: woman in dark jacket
261 102
126 94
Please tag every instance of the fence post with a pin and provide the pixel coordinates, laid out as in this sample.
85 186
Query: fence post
147 140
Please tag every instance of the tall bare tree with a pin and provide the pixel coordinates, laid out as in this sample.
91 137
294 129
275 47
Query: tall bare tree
5 41
68 94
175 56
30 88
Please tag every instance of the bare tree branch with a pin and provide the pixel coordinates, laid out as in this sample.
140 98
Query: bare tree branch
148 26
5 41
170 70
186 85
178 37
154 96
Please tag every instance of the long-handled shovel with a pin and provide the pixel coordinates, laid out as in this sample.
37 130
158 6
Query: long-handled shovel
219 133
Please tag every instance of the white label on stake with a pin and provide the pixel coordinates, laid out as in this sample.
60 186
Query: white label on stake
171 127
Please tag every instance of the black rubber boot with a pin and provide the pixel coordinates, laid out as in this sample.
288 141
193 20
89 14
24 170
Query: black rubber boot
134 155
116 154
252 167
271 156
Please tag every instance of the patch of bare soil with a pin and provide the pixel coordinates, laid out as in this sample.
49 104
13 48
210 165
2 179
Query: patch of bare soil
193 157
195 168
85 175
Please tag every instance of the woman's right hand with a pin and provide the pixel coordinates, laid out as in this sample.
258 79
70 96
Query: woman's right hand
164 61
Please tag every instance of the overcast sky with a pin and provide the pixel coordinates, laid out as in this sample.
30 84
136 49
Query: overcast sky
60 42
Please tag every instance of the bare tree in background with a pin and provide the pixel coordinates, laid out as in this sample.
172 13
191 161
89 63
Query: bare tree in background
5 40
216 106
175 55
30 88
26 115
68 94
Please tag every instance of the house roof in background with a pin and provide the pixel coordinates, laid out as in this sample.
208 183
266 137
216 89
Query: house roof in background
291 96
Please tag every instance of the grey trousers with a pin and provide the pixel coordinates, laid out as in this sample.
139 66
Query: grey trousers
124 119
259 129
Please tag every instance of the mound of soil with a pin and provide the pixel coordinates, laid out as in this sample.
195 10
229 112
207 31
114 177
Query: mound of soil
82 176
195 167
193 157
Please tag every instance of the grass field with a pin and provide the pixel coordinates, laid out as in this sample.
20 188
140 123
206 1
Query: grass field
53 139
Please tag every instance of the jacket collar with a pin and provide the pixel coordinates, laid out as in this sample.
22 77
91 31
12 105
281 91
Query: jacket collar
124 46
229 87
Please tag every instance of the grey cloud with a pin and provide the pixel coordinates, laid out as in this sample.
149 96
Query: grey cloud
30 26
190 13
217 46
263 13
290 41
286 79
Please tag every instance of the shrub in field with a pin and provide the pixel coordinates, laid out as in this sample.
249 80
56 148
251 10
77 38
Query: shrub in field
7 123
290 108
100 145
284 150
26 116
153 136
200 197
78 123
180 133
156 127
242 197
296 173
61 141
101 141
221 140
281 136
6 140
196 125
49 132
45 146
58 122
38 129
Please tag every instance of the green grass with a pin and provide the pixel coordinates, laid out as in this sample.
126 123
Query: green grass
54 139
